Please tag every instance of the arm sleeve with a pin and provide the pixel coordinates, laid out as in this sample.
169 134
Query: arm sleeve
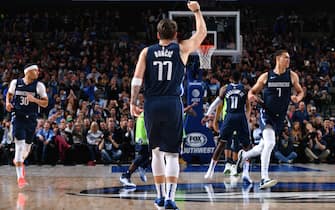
12 86
41 90
213 105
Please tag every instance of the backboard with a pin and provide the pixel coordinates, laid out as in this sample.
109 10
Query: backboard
223 29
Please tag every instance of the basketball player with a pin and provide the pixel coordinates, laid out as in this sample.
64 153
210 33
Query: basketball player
220 113
235 119
162 66
142 159
23 99
276 85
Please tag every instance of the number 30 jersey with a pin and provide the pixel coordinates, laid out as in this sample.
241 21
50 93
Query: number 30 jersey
164 72
22 107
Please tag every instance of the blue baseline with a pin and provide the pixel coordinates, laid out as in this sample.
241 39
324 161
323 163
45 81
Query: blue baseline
253 168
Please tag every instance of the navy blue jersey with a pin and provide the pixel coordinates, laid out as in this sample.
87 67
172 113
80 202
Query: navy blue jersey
22 107
164 72
235 98
277 93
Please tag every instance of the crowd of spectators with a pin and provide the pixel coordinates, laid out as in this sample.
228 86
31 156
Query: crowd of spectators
87 63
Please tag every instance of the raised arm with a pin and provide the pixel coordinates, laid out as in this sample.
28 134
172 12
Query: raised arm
192 44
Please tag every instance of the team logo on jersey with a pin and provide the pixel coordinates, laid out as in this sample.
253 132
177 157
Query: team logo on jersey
196 139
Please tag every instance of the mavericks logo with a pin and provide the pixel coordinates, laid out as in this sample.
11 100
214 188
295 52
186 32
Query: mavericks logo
196 139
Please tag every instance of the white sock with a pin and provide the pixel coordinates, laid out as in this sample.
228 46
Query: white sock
19 172
246 169
160 189
269 143
170 191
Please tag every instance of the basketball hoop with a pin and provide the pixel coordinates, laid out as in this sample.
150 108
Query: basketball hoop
205 53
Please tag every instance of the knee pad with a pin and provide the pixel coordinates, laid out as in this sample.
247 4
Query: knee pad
157 163
172 164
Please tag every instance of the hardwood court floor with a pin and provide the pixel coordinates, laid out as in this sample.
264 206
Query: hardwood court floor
82 187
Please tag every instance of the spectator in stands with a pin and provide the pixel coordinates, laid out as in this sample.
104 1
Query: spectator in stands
301 114
94 137
316 147
80 153
44 140
7 146
110 151
62 140
284 151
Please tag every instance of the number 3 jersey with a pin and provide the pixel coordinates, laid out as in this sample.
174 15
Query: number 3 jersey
164 72
22 107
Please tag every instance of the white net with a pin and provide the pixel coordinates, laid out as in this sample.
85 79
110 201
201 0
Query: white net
205 53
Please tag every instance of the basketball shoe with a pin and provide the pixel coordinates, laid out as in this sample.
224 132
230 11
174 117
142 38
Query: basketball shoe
21 182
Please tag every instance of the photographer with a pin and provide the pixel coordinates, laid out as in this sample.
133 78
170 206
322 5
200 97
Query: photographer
284 151
316 147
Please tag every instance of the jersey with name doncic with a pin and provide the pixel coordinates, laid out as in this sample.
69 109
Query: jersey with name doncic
277 93
236 98
164 72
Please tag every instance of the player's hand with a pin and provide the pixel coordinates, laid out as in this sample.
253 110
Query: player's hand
30 98
193 5
204 120
194 104
295 99
135 110
253 98
9 107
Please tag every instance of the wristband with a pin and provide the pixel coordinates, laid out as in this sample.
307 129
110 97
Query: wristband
195 11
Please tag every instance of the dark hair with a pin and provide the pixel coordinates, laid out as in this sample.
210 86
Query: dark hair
236 75
167 28
280 52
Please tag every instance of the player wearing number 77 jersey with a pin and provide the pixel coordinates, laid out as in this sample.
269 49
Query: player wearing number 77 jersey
162 66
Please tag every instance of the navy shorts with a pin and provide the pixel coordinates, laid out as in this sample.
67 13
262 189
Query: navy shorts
235 122
24 128
163 118
277 122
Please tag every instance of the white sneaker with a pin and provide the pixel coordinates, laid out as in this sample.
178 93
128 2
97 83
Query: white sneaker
233 170
209 174
126 182
124 192
267 183
227 169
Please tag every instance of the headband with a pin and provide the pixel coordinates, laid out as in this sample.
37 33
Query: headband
29 68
